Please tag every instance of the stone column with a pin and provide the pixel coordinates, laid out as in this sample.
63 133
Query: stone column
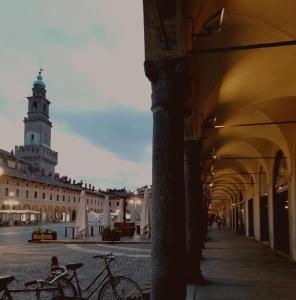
194 210
168 255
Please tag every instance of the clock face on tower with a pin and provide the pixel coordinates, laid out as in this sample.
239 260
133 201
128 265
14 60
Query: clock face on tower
32 138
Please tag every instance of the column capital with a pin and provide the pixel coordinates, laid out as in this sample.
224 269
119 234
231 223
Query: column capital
170 79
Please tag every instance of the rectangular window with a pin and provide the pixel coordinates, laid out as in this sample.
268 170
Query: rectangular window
11 164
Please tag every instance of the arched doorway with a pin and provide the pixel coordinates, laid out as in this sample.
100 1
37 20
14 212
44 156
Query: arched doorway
57 214
73 215
264 224
280 204
251 217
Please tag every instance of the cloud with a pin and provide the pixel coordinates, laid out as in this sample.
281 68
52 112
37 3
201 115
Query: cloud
10 134
93 60
80 159
92 52
125 132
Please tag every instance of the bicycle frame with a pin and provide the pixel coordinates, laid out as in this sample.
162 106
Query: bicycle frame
49 287
37 290
100 283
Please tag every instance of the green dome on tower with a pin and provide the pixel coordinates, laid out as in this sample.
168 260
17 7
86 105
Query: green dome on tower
39 82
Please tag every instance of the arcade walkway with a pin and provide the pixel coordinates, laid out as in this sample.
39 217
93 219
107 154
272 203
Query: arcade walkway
241 268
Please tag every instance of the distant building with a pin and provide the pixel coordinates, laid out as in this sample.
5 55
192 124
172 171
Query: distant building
37 134
28 180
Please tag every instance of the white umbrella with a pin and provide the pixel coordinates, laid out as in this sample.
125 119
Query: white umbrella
81 220
106 212
145 215
120 213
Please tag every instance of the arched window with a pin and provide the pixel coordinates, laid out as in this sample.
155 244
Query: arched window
43 196
35 105
35 194
6 192
27 194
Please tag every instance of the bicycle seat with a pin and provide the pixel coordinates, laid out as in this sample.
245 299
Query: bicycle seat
74 266
4 281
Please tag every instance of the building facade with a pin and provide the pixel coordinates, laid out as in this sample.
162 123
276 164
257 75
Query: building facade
37 133
28 181
223 101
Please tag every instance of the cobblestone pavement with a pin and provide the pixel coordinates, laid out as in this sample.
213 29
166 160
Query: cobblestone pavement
236 267
31 261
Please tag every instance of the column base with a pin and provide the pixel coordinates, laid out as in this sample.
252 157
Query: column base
198 280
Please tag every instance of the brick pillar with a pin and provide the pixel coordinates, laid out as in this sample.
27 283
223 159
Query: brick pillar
168 251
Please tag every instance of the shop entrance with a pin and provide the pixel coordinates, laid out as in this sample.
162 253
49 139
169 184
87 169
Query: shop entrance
264 228
251 217
281 205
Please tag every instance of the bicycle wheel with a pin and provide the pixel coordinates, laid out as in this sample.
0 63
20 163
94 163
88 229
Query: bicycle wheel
43 294
121 288
61 288
6 296
68 288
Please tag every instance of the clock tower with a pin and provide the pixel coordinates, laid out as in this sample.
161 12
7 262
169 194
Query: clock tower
37 135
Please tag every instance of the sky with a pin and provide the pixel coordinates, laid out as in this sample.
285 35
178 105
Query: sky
92 53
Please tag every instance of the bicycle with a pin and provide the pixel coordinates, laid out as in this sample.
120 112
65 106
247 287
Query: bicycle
109 286
43 289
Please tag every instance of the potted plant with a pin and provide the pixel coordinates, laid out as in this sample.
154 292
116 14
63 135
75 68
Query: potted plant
109 234
126 229
44 234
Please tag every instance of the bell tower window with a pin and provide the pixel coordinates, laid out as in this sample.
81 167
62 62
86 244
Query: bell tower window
35 105
32 137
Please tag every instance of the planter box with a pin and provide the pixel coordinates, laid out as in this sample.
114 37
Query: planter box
127 229
111 237
38 237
